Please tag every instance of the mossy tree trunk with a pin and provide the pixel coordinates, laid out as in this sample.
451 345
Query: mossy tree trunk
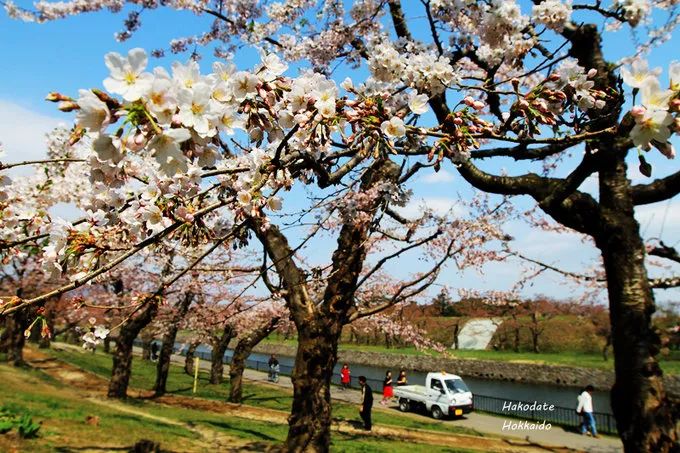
122 356
165 354
242 350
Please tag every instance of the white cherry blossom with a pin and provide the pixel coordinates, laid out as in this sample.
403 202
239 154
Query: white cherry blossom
638 73
127 74
93 114
394 127
418 103
165 148
653 125
653 97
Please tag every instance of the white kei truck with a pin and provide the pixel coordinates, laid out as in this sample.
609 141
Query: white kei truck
442 395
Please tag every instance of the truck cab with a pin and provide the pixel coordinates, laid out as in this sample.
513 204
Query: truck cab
444 394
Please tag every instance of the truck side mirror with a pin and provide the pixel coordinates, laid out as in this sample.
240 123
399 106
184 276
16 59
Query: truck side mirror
442 391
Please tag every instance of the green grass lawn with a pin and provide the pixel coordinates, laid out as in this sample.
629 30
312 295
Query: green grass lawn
179 383
669 364
62 413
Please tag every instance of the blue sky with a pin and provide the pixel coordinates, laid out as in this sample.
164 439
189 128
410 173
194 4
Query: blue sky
68 55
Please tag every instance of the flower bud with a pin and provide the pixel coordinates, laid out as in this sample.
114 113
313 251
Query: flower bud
67 106
592 73
554 77
57 97
468 101
478 105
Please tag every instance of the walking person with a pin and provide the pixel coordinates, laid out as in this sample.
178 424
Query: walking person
401 380
345 376
388 391
366 403
274 368
585 409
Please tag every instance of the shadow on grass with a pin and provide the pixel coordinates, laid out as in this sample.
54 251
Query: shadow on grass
232 428
67 449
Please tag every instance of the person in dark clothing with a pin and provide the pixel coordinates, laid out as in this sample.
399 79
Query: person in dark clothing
273 361
401 380
366 402
154 351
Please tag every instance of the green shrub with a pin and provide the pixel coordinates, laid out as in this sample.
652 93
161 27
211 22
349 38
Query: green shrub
23 423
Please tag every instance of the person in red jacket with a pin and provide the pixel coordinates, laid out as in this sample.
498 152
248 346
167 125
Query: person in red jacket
345 376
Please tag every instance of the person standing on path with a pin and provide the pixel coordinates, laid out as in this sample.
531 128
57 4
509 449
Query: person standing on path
401 380
585 409
345 376
388 391
366 403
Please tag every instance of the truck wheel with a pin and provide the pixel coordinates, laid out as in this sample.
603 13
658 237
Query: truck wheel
404 406
437 413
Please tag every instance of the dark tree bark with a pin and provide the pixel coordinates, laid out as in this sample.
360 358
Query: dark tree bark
319 324
317 353
536 331
165 354
107 345
241 352
456 331
647 420
219 347
13 338
189 358
146 347
122 356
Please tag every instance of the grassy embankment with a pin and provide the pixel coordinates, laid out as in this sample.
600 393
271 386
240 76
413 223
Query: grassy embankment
62 413
265 396
670 363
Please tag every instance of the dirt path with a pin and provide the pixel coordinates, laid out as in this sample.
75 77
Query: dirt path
94 387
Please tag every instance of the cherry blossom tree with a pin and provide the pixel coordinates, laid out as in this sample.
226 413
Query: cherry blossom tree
504 80
252 326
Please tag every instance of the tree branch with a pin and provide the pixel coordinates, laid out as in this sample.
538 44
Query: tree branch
659 190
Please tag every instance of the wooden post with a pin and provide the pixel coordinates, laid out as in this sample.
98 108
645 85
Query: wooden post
196 363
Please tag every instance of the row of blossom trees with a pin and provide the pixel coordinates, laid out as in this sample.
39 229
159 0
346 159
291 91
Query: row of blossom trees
487 80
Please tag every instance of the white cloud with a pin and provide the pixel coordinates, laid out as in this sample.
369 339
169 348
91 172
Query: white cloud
437 177
22 133
439 205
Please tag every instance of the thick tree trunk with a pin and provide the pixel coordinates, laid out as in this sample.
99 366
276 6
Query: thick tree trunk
534 341
107 345
236 368
310 420
146 347
647 420
241 352
189 358
165 354
13 338
456 331
122 356
219 347
605 349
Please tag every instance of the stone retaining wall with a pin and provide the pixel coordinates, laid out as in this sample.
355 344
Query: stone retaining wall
483 369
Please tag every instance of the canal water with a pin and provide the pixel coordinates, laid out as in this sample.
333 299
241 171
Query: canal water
542 393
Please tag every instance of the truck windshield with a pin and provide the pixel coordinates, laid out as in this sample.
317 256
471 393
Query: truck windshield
456 386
